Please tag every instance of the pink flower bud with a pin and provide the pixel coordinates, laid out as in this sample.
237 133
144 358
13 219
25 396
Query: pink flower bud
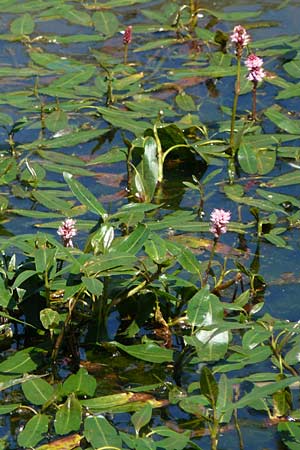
219 220
67 231
127 37
254 64
240 37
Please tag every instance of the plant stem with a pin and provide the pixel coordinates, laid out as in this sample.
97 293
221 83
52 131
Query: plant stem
212 253
125 53
160 155
231 163
254 100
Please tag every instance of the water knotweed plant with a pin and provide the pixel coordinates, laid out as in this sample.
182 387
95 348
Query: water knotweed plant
240 38
127 38
256 74
67 232
219 219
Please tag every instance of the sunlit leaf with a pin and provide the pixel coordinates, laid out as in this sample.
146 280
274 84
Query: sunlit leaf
149 351
85 196
37 391
105 22
100 433
22 25
80 383
68 416
34 431
142 417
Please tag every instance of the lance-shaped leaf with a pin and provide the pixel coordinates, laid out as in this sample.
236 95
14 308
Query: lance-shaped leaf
208 385
68 417
141 418
85 196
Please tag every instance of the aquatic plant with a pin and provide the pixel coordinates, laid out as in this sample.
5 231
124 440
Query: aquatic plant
151 329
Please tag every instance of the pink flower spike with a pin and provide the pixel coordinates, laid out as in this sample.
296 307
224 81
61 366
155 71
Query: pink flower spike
67 231
219 220
256 72
127 37
240 37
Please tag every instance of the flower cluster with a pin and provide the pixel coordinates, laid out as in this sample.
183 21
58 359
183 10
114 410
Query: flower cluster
254 65
127 37
219 220
67 231
240 37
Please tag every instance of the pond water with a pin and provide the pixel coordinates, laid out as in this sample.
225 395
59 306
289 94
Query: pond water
79 108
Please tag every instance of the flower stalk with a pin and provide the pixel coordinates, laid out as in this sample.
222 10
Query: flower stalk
241 39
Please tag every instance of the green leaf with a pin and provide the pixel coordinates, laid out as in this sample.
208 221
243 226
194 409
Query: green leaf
34 431
93 285
142 417
101 434
286 179
74 138
208 385
73 79
37 391
149 351
80 383
85 196
256 160
189 261
204 308
133 242
56 121
52 202
68 416
173 440
291 126
156 248
8 408
259 393
105 22
50 318
185 102
148 170
23 25
293 68
111 261
224 400
21 362
5 294
108 402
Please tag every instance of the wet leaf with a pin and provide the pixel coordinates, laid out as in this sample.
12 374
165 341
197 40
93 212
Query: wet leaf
80 383
22 25
37 391
85 196
68 416
66 443
141 418
100 433
149 351
34 431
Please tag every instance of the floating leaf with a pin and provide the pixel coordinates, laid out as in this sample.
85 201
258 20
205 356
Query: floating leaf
291 126
100 433
149 351
37 391
85 196
34 431
22 25
141 418
67 443
105 22
68 416
80 383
